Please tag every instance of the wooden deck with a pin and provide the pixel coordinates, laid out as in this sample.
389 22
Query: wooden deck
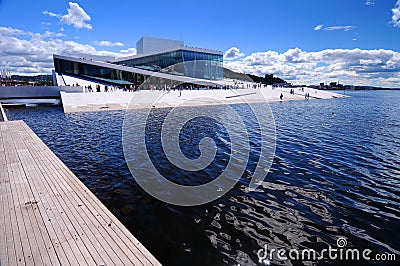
49 217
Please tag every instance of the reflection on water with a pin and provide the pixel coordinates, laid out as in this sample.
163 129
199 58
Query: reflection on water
336 172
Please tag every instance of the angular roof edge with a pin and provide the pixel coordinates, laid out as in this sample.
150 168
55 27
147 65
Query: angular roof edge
186 48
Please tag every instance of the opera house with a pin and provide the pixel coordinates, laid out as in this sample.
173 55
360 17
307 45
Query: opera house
166 59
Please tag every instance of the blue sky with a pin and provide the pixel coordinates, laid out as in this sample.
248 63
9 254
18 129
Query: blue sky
310 41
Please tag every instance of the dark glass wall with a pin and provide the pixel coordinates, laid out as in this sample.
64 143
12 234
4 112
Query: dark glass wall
182 62
103 74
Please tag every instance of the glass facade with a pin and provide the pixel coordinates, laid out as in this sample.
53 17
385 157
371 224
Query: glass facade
182 62
99 73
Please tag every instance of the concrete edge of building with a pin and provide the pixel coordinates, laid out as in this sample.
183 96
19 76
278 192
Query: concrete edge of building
118 100
35 92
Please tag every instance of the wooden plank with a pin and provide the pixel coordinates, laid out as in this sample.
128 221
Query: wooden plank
3 212
134 244
27 235
8 247
26 203
49 217
68 255
51 200
123 238
42 234
10 225
3 202
79 216
62 198
131 246
18 230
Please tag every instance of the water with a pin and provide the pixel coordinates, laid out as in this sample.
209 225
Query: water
336 173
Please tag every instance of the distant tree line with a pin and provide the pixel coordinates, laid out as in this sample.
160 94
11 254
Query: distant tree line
38 80
268 79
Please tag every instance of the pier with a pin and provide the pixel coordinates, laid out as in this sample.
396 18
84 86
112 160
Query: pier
49 217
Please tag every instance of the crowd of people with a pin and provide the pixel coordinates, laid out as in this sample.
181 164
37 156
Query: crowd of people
179 88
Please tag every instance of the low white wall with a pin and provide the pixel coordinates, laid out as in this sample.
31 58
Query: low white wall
31 92
78 102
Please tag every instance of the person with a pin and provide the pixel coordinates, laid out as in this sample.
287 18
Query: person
281 97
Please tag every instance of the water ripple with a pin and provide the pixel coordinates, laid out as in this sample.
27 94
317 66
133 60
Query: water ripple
332 175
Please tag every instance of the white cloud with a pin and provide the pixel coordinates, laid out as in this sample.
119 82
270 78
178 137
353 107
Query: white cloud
32 53
8 31
370 3
349 66
76 16
345 28
331 28
396 14
108 43
51 14
233 53
319 27
129 51
369 62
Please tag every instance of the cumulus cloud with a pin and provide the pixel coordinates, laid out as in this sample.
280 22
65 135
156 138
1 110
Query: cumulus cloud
233 53
32 53
129 51
108 43
76 16
370 3
349 66
318 27
396 14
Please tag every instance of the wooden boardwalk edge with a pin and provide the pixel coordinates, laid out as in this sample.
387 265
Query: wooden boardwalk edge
3 116
49 217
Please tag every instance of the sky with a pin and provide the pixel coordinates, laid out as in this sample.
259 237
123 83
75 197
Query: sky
304 42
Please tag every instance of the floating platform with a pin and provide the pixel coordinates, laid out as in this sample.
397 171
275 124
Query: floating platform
49 217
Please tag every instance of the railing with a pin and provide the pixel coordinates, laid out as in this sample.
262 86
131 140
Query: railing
3 116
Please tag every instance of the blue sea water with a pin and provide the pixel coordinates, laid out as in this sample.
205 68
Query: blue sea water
336 173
